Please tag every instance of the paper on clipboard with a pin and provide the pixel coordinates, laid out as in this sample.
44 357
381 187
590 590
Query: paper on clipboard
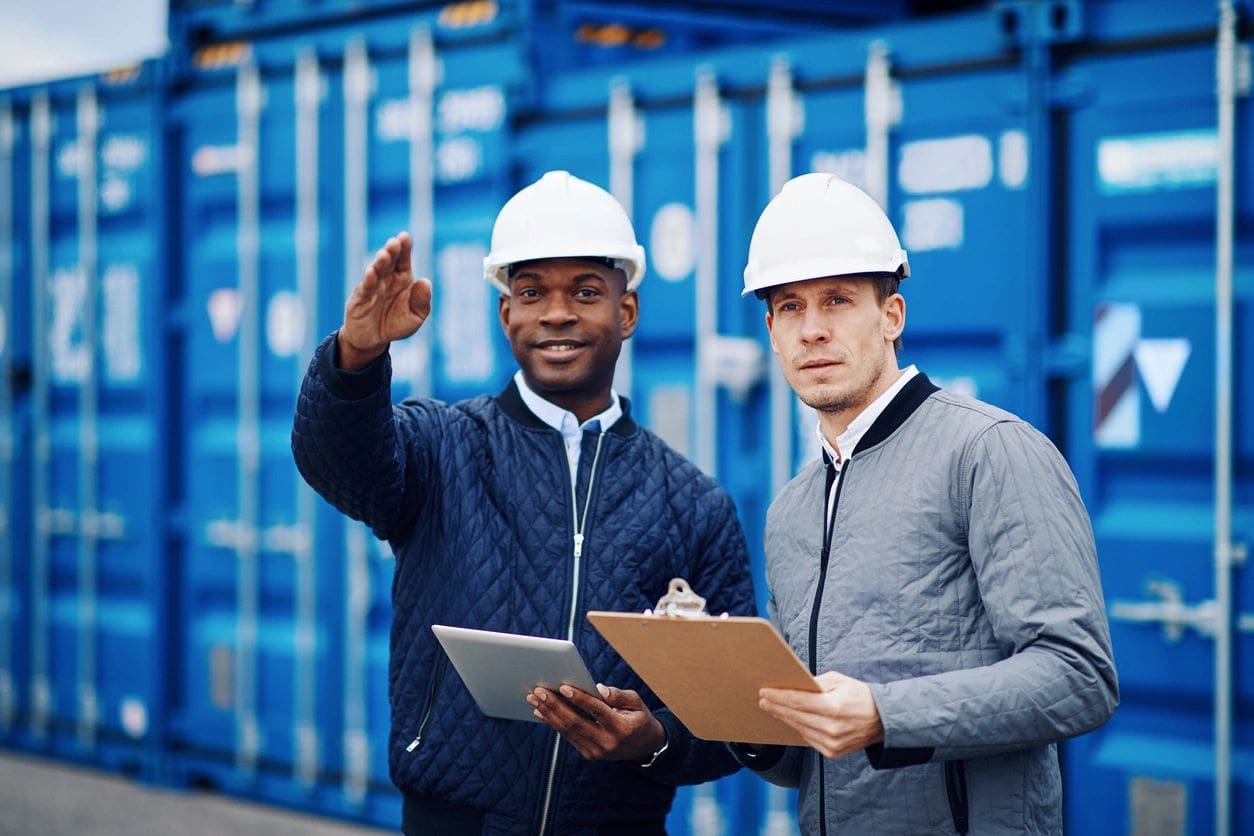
708 670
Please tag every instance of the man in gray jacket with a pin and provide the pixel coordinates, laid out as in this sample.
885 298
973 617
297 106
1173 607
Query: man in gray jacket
936 569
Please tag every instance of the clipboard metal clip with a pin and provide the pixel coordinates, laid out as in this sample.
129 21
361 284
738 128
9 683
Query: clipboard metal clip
679 601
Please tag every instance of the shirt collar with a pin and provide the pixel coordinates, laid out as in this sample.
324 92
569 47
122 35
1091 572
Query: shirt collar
847 442
564 420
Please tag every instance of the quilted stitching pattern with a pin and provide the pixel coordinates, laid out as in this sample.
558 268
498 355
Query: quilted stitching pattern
477 508
968 596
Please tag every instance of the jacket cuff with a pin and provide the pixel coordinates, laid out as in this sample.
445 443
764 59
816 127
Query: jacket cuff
882 758
349 385
678 741
758 757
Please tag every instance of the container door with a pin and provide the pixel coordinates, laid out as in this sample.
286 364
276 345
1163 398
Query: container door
97 619
1144 158
14 422
426 130
260 617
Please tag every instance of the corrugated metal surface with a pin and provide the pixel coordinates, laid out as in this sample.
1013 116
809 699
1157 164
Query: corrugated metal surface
1145 163
86 575
1052 168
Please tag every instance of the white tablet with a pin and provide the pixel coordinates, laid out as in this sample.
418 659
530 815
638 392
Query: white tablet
500 669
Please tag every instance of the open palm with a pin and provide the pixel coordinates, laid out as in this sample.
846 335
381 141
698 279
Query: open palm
387 305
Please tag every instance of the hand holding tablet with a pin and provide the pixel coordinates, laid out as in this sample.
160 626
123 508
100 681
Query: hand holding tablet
500 669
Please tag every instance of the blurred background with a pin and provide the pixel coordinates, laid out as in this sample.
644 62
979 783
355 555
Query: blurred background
186 192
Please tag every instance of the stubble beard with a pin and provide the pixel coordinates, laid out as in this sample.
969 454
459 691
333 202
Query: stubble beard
837 398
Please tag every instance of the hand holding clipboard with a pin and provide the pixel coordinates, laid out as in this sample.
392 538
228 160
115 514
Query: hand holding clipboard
707 669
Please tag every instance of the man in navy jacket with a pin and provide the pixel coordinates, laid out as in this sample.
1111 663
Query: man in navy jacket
519 513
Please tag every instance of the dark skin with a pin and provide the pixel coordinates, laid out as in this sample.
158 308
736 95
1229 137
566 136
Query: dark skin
566 319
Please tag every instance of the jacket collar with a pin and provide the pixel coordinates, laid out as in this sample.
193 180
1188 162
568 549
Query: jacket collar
910 398
512 404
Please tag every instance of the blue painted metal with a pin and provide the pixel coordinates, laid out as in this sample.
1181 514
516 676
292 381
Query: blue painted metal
357 138
1142 260
1054 158
14 423
90 649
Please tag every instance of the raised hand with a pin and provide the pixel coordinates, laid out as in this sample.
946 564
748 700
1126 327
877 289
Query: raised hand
388 304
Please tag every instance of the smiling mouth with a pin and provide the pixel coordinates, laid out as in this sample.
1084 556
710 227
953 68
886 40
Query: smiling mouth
559 346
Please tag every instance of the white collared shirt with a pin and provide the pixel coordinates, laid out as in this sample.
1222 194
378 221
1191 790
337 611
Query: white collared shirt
565 422
847 441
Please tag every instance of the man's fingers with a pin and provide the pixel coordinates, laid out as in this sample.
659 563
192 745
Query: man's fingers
404 252
420 298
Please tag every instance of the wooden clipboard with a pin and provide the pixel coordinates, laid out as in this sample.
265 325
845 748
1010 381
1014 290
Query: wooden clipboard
708 670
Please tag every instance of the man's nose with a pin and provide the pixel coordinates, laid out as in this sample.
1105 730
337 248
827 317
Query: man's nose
558 310
814 327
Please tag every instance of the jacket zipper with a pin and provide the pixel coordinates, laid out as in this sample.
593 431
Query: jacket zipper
436 676
956 789
578 527
829 528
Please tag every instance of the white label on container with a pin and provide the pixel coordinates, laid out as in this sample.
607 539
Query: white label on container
458 159
1012 159
69 159
120 332
115 194
124 152
393 120
1155 162
462 301
952 164
69 354
285 324
960 384
673 242
475 109
134 716
225 306
220 159
935 224
848 165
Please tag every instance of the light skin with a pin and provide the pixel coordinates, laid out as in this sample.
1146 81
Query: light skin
834 340
566 319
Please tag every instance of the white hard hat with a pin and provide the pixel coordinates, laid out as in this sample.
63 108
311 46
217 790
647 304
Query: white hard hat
817 226
561 216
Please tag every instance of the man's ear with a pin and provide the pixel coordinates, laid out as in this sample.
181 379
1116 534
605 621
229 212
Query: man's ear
628 313
770 330
894 310
502 310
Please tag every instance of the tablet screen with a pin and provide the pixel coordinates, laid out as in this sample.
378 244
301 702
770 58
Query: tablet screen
500 669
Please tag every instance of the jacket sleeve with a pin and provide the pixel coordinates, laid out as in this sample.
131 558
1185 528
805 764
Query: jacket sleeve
1032 550
720 573
363 455
779 765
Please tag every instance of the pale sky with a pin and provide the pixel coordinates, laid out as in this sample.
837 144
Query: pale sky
42 40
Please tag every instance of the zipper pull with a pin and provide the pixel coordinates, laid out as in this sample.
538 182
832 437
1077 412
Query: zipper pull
578 545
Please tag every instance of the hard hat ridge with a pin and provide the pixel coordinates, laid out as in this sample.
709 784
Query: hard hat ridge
562 216
820 225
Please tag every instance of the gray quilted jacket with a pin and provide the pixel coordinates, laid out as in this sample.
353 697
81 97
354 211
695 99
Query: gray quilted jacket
962 584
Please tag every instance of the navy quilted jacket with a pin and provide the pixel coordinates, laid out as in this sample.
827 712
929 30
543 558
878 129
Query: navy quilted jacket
475 500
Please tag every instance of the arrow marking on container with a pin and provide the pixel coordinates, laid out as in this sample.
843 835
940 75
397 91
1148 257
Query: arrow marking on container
1160 363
